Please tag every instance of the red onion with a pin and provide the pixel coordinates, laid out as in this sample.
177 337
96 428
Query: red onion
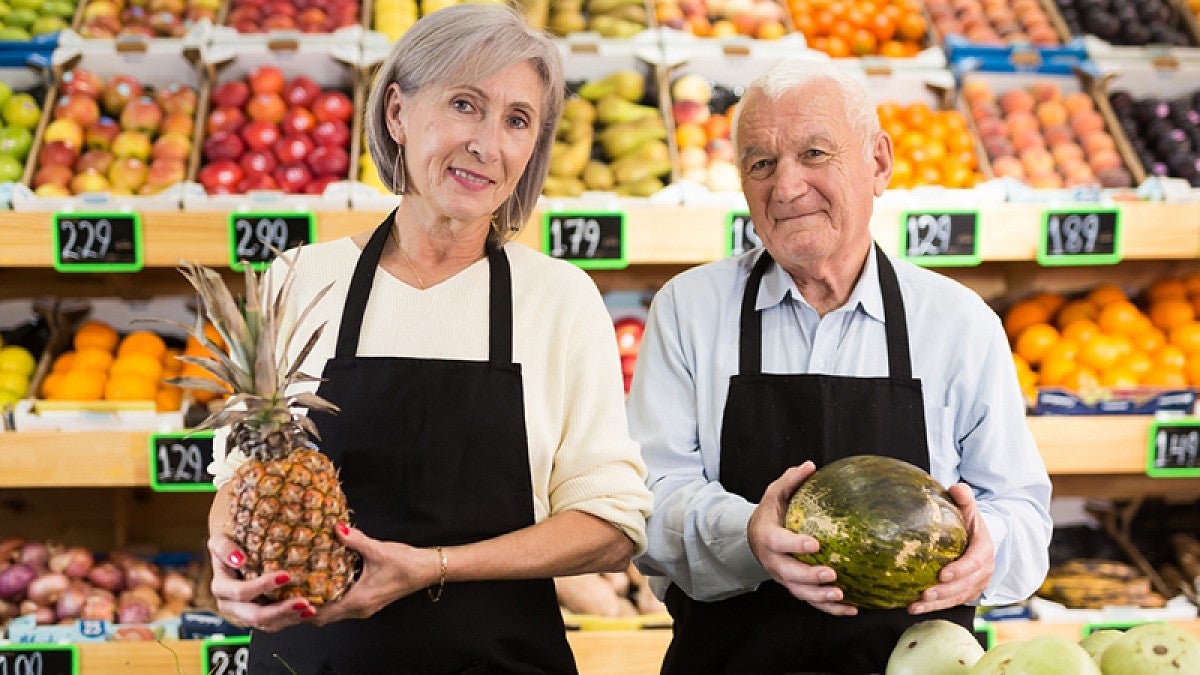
70 603
100 604
45 616
14 581
75 562
108 576
177 588
134 612
46 589
35 553
140 573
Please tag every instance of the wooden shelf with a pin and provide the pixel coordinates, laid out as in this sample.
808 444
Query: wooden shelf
656 234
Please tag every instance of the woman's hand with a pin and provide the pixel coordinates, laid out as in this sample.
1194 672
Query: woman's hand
390 571
774 546
965 579
240 600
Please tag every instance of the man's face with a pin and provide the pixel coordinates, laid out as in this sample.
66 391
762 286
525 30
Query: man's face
807 180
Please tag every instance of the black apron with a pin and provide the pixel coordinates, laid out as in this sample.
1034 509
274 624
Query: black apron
430 452
772 422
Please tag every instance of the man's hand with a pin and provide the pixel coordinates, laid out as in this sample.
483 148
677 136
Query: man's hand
774 546
963 580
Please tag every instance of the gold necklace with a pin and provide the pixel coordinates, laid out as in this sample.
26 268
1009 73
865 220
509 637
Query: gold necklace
407 260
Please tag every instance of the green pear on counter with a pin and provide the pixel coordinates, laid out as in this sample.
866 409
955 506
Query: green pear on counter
626 84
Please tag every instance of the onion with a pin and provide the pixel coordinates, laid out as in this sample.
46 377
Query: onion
134 612
8 610
143 595
140 573
45 616
70 603
75 562
108 576
177 588
100 604
46 589
35 553
14 581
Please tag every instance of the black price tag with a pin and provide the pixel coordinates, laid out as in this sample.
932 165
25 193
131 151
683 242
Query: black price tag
984 632
942 238
739 233
97 242
1089 628
226 656
1080 237
253 235
1173 449
590 240
18 659
179 462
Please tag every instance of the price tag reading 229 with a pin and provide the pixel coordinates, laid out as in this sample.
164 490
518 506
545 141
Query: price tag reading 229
97 242
1082 236
590 240
254 237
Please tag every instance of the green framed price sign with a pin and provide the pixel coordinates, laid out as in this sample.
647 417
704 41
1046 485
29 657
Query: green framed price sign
1173 448
97 242
940 238
226 656
255 237
39 659
985 633
1092 627
1080 236
740 235
179 462
591 240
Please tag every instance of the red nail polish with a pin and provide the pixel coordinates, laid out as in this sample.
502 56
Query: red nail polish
308 614
299 607
343 528
237 558
282 578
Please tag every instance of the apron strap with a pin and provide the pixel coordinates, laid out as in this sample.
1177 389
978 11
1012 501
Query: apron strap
500 307
895 323
360 289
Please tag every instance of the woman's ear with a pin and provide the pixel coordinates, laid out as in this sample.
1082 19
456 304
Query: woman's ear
393 101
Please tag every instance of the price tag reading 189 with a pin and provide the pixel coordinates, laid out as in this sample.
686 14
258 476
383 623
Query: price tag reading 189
20 659
97 242
940 238
179 462
226 656
1080 237
1173 450
254 237
590 240
740 235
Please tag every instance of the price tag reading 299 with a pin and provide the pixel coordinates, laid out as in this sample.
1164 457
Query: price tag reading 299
590 240
255 237
1080 237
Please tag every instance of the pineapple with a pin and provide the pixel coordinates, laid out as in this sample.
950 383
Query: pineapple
286 499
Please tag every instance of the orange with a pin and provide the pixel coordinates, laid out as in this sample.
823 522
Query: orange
168 399
1148 339
1166 289
1101 352
863 42
888 110
96 334
893 49
130 387
1119 317
1106 293
1186 336
805 24
717 126
82 385
141 365
1076 309
911 27
1167 313
1082 379
690 135
1119 377
883 26
1033 342
62 362
1050 300
92 358
143 342
1136 362
1191 282
1171 378
917 116
51 384
902 173
1023 315
1170 357
1080 330
1057 363
837 47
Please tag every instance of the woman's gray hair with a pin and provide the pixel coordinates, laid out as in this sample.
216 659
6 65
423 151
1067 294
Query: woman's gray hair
469 42
792 73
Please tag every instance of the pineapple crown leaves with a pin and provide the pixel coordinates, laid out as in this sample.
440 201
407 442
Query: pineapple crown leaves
254 367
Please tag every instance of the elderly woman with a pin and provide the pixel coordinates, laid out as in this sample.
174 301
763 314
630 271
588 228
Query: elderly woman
482 439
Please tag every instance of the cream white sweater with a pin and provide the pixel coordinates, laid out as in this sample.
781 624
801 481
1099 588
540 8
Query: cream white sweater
580 452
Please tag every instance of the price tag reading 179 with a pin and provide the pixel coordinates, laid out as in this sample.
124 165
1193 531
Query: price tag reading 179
590 240
940 238
24 659
97 242
1080 237
179 462
226 656
1174 449
255 237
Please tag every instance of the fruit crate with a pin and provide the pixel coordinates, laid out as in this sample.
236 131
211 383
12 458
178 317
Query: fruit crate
188 22
367 192
1127 27
60 14
593 19
332 21
19 70
153 69
897 32
1024 33
333 68
765 20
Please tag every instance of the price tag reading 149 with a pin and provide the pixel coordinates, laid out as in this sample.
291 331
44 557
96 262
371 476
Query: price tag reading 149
97 242
1080 236
24 659
253 237
179 462
1173 449
940 238
226 656
590 240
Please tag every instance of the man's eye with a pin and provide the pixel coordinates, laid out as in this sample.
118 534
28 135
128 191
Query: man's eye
814 153
760 167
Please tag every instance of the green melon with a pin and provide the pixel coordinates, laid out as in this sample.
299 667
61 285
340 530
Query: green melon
885 526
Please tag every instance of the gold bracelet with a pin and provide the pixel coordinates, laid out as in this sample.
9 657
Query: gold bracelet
434 596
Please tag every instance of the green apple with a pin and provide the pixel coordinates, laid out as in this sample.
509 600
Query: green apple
21 110
47 24
15 142
5 90
60 8
17 359
10 169
13 34
4 11
21 17
14 382
31 5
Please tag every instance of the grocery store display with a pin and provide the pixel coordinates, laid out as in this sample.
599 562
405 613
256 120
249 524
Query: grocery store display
104 365
286 498
145 18
1152 649
759 19
1094 584
992 22
932 147
19 116
16 371
1165 133
307 16
934 647
22 20
702 130
1042 655
1125 22
893 28
884 526
609 18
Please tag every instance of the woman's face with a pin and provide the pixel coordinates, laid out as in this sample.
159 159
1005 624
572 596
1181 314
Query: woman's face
467 143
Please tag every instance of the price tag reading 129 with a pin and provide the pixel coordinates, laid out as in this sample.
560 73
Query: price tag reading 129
590 240
97 242
179 462
940 238
1173 450
226 656
19 659
1080 237
252 236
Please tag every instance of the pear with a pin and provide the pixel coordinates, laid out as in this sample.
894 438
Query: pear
595 7
566 23
562 187
626 83
578 109
621 139
569 161
615 110
598 176
643 187
613 27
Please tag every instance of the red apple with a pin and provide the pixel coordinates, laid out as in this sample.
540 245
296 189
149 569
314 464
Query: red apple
297 121
266 80
101 133
313 20
94 160
119 91
176 98
246 26
301 91
177 123
223 145
279 8
333 105
225 119
629 334
164 173
220 174
331 133
132 144
329 161
53 174
317 185
258 162
82 82
260 181
172 146
260 135
279 22
82 109
57 152
266 107
244 13
231 94
141 114
293 148
128 173
292 177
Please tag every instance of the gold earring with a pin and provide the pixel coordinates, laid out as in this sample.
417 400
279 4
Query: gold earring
496 223
399 177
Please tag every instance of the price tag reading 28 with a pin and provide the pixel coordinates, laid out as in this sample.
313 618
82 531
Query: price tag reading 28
226 656
1173 450
590 240
1080 237
254 237
27 659
179 462
97 242
940 238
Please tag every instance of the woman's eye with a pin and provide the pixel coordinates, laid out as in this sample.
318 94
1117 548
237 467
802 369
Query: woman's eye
462 105
518 122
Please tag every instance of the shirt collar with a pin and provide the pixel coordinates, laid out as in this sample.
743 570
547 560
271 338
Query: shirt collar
867 293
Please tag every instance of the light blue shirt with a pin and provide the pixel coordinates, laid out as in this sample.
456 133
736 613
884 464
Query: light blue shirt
974 413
